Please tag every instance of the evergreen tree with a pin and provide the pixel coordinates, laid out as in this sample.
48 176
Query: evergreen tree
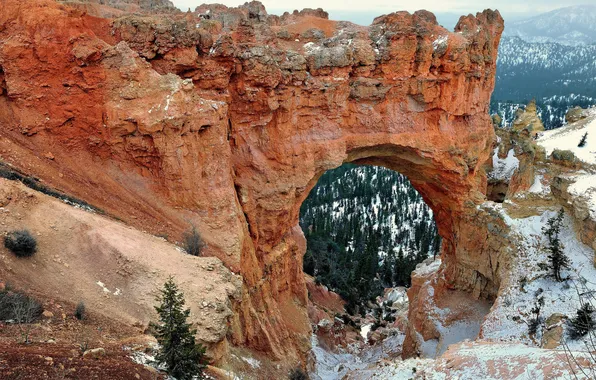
388 268
583 322
583 141
181 355
558 260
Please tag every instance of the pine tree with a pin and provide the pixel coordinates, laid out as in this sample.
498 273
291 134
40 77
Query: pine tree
583 141
181 355
387 268
557 258
583 322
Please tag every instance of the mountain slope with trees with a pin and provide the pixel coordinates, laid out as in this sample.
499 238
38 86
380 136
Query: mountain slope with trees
559 77
366 229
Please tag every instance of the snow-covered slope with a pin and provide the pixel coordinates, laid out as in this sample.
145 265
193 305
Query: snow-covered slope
569 136
570 25
510 315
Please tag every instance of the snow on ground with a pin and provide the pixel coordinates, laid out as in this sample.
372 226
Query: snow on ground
540 187
457 332
503 168
483 360
406 369
254 363
364 330
334 366
508 318
397 295
427 267
537 187
569 136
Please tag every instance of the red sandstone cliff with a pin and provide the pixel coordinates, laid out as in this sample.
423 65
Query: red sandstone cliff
225 118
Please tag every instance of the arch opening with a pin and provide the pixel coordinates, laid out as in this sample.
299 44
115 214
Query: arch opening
366 229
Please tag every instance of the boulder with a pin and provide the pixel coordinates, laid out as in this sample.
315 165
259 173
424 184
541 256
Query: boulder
553 331
94 353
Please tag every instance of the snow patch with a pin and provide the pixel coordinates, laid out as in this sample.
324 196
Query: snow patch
254 363
503 168
537 187
424 269
103 287
441 41
364 330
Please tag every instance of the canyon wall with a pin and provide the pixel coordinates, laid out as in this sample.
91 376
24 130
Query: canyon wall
224 118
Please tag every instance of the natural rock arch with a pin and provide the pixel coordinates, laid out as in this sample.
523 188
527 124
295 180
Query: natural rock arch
228 123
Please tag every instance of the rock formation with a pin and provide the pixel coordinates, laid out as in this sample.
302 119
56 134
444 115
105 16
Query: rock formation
115 8
226 117
518 141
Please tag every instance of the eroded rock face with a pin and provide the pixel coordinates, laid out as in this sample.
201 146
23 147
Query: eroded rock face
115 8
225 118
527 120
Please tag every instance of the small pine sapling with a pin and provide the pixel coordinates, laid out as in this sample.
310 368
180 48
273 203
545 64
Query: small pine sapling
583 141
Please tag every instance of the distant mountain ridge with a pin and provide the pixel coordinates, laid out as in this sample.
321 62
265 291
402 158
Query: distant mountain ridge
575 25
558 76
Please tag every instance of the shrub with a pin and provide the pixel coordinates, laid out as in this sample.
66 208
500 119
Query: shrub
583 141
297 374
33 183
535 323
563 155
192 242
583 322
21 243
19 307
80 311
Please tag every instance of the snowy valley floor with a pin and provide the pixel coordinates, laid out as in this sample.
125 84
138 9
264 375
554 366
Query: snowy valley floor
504 349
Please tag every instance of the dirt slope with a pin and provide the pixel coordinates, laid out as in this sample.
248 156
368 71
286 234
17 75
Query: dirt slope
113 268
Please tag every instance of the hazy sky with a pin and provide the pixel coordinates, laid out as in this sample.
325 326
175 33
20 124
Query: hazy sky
363 12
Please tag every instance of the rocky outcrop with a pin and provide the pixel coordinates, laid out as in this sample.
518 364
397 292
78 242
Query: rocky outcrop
225 119
576 114
527 120
515 143
578 193
115 8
